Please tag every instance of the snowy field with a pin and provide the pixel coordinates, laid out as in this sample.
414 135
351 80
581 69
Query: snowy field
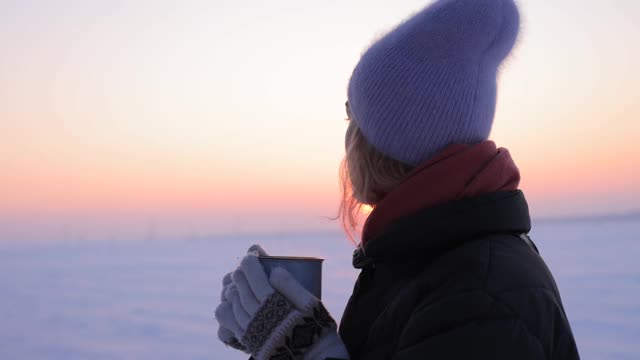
155 299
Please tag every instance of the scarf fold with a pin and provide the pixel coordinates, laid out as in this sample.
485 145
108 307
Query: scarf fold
457 172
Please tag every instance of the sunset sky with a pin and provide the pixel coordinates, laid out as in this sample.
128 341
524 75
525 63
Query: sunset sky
158 118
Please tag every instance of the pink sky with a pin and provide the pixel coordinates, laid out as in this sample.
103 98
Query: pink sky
198 117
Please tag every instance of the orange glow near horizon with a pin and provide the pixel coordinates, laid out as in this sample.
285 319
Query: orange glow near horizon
183 119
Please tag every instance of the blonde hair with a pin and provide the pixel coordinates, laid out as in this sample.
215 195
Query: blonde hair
366 177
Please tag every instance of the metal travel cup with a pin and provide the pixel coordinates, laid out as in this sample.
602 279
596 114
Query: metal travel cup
307 270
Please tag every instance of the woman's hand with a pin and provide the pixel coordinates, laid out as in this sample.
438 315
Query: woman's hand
274 316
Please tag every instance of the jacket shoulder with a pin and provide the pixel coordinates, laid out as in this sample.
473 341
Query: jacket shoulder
493 334
495 285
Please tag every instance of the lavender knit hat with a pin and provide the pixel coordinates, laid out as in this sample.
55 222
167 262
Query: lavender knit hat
431 81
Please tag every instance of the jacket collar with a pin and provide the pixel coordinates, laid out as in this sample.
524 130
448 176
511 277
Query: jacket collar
430 232
458 171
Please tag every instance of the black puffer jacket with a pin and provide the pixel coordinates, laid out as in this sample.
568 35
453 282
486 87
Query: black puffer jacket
457 281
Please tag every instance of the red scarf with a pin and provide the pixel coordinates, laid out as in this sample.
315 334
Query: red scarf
456 172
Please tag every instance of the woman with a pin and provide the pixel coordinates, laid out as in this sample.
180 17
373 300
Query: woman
448 271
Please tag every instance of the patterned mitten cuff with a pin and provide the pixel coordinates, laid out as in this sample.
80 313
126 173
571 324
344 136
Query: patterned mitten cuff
281 331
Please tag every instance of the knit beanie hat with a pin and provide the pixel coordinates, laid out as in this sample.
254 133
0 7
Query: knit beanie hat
431 81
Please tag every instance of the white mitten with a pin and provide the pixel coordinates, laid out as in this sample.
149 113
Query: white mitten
224 334
230 291
275 317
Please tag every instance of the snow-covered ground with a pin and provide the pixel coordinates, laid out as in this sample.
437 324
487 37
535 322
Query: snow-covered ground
155 299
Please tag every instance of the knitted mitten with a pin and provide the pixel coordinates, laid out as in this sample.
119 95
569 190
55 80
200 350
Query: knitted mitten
274 317
229 291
